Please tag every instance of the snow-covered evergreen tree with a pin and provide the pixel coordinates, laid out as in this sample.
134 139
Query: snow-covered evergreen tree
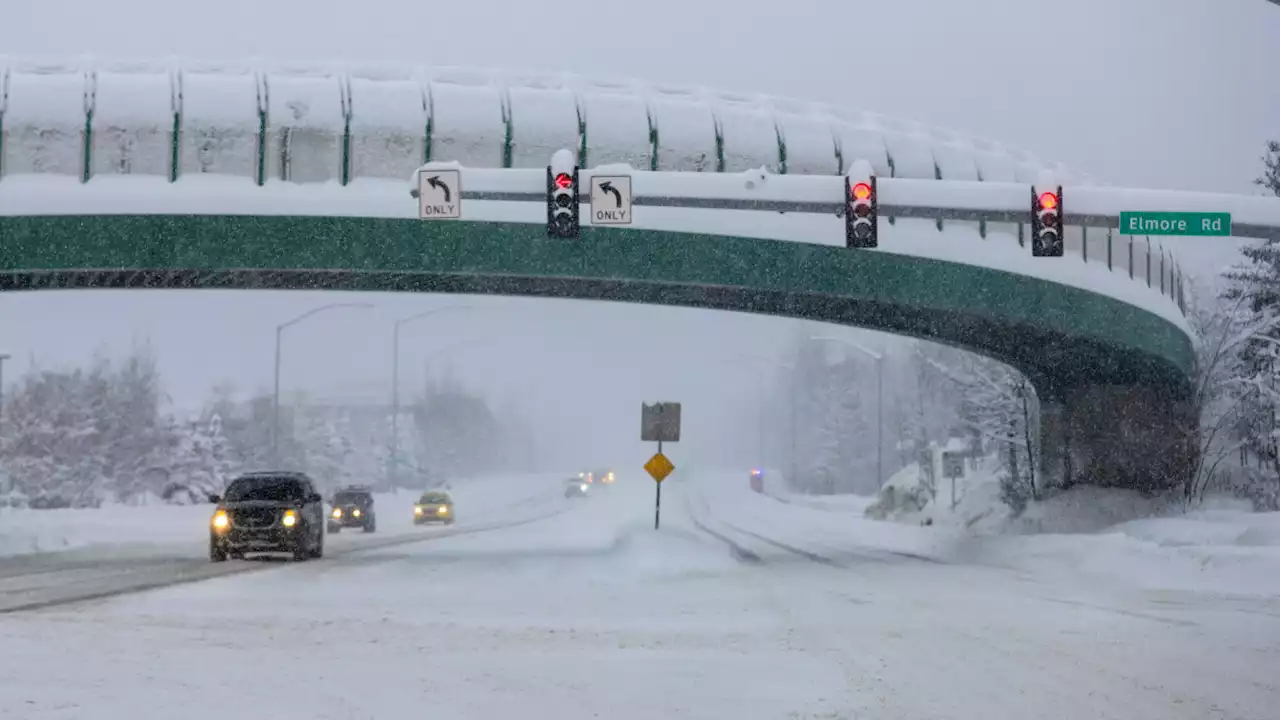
835 430
200 464
1254 296
998 411
78 438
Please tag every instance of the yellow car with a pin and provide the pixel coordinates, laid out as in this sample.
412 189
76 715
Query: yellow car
434 506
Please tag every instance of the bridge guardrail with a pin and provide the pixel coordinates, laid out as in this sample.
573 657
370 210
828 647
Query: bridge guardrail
1091 214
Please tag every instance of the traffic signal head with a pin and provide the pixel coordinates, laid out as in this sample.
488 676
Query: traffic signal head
562 203
1046 222
860 221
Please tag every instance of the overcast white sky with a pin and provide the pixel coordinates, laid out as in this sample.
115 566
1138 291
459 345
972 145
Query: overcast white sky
1156 93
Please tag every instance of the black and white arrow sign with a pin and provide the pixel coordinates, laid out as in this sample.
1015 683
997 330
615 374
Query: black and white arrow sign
611 200
439 194
435 182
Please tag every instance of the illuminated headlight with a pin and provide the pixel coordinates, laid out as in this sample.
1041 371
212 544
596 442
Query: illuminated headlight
355 513
417 510
337 512
442 510
290 518
220 520
584 487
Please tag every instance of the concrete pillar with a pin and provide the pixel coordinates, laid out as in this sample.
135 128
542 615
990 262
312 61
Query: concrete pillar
1139 437
1053 443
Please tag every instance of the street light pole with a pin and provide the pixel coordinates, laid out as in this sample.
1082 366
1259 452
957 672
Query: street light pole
275 395
879 359
880 421
3 357
393 460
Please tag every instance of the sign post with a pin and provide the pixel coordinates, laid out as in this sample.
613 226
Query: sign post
953 467
1185 224
659 422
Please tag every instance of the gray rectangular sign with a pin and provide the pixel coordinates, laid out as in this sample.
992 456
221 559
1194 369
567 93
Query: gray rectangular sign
952 464
660 422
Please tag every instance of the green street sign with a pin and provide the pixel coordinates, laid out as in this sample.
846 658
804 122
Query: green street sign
1176 223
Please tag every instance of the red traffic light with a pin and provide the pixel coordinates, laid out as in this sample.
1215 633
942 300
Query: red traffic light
1048 201
564 181
861 191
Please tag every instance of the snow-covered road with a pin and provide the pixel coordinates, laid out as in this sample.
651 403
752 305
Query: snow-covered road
122 550
591 613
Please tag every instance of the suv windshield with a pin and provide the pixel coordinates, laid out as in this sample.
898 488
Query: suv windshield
277 489
434 499
352 498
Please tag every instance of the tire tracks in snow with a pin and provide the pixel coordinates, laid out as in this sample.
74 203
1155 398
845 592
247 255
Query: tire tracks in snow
841 559
107 581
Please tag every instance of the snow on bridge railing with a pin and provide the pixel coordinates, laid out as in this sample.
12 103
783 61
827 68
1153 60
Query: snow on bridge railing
329 124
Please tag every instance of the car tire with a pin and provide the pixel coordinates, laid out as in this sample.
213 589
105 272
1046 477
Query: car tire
317 552
216 552
371 525
302 548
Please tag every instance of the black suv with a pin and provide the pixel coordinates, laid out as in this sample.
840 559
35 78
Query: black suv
268 512
353 507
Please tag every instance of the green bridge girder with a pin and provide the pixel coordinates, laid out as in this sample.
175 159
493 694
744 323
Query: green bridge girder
1060 336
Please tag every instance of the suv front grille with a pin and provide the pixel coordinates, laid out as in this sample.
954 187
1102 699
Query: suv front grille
254 518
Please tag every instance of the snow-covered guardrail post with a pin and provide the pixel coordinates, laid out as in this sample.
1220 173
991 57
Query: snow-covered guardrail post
861 226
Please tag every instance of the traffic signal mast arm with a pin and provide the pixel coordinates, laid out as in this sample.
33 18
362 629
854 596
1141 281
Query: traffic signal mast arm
1251 216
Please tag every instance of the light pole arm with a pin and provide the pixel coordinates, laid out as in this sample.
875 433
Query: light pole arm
317 310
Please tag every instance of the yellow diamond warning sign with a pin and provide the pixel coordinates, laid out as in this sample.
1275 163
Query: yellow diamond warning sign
659 467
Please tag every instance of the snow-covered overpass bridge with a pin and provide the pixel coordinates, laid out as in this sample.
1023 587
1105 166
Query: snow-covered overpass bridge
185 176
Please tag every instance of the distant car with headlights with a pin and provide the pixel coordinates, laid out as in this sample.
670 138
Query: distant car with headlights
576 487
757 480
353 507
596 477
267 512
434 506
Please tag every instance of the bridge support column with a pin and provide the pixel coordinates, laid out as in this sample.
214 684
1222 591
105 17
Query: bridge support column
1053 442
1137 437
